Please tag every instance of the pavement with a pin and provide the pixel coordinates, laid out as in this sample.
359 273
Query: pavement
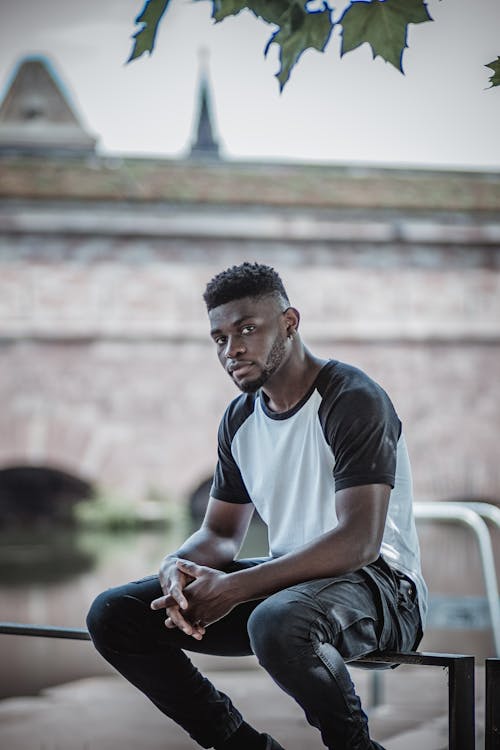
106 713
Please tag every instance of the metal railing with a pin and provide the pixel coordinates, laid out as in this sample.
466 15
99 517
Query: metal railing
461 708
44 631
472 516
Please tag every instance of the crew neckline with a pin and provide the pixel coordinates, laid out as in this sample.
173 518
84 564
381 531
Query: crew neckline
279 415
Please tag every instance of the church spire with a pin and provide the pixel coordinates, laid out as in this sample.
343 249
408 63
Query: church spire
205 145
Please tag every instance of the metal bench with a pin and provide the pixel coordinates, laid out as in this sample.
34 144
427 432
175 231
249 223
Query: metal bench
461 714
492 707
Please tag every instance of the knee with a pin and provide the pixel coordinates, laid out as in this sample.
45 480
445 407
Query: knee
280 628
99 618
108 620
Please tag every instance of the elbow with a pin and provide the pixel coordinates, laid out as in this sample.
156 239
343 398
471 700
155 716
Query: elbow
372 557
369 546
368 554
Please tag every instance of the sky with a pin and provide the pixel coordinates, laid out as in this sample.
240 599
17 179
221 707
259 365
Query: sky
354 110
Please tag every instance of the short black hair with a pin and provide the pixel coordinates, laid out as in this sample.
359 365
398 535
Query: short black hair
245 280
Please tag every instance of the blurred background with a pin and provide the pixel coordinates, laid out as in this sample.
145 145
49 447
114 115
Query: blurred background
123 189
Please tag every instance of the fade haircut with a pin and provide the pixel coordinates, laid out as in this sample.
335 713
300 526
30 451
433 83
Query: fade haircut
245 280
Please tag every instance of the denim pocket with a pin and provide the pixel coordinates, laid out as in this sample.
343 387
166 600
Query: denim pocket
407 595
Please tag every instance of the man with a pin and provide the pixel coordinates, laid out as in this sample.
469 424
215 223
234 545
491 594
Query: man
316 446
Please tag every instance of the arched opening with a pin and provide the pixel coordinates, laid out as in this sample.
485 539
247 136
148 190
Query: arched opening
39 539
36 494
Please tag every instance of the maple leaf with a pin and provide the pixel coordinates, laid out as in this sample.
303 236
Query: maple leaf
495 78
223 8
298 29
149 17
383 24
270 10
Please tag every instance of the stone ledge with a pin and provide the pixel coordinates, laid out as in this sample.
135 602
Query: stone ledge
266 225
249 183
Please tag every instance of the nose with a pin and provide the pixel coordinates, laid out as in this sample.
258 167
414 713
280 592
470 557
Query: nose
234 347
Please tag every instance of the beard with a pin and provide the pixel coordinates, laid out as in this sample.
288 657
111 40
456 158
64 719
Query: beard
273 362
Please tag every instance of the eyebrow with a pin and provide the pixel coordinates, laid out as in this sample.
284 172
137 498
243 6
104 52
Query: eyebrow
234 324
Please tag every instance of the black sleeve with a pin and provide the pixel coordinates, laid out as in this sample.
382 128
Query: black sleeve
228 483
363 429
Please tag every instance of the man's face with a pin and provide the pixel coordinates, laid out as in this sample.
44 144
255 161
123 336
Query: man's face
250 335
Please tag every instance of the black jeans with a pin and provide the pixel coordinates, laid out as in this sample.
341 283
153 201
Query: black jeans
302 636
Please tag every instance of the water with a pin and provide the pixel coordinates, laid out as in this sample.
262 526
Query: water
51 576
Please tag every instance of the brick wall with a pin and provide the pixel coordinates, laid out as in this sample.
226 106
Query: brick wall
106 370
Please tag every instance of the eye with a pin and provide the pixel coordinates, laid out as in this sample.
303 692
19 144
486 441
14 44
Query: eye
247 329
220 340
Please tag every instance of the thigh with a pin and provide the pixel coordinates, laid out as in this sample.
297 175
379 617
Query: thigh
371 609
348 604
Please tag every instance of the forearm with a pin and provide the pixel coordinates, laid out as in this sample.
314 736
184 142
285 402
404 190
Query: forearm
330 555
204 547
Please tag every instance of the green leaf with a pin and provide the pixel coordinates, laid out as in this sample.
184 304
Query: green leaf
299 31
495 78
271 11
383 24
223 8
149 18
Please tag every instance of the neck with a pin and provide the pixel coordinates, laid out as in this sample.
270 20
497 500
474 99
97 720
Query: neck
292 380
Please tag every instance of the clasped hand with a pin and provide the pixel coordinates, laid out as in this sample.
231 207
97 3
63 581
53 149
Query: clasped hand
194 596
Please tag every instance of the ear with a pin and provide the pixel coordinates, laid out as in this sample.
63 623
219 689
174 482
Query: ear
292 320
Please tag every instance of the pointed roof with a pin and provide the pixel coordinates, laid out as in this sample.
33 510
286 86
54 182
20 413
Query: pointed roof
37 116
206 145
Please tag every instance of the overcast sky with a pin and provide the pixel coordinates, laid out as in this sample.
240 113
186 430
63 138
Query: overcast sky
440 113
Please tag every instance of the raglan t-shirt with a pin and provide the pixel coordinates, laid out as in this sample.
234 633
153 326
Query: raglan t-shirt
343 433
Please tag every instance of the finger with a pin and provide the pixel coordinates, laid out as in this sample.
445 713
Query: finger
198 624
176 620
191 568
163 602
198 631
192 630
178 596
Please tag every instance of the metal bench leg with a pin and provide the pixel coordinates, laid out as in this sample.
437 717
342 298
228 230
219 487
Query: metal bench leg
492 719
461 708
462 735
376 689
